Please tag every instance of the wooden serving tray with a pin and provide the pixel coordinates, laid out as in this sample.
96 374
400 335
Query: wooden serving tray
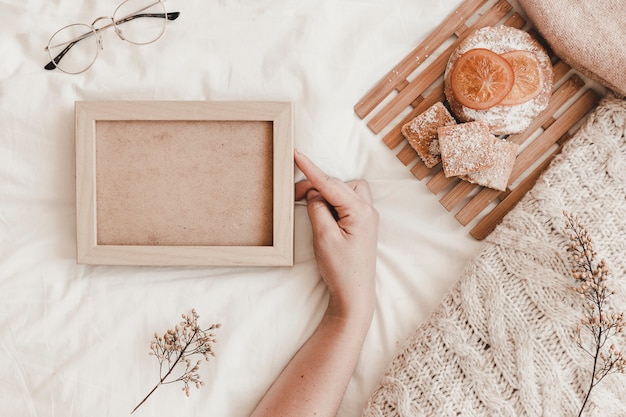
416 83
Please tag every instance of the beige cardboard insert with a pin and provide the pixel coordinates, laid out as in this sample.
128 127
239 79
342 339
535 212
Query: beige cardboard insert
189 183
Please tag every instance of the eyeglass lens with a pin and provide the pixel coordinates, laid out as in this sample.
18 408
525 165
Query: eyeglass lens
73 48
140 22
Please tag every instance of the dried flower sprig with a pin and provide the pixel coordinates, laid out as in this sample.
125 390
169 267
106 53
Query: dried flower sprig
599 322
176 347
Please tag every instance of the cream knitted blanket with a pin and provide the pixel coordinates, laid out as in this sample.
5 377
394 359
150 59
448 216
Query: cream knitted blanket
502 342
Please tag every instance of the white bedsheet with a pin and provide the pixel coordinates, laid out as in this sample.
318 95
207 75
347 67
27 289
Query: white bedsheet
74 339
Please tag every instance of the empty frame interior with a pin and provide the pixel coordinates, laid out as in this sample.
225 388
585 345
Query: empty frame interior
184 183
197 183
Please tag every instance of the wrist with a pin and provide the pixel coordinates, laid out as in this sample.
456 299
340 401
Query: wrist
355 309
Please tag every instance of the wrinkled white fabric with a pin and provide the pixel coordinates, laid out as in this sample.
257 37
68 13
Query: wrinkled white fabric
74 339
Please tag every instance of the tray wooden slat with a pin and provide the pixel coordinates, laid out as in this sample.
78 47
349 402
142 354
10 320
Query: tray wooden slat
398 74
440 182
540 142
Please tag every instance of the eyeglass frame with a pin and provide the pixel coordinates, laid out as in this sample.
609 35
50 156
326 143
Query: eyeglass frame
94 32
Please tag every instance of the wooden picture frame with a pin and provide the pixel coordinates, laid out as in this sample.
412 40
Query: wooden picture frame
184 183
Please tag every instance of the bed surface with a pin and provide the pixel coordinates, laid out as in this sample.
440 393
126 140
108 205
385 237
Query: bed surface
74 339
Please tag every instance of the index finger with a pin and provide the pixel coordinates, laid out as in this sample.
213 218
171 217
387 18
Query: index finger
336 192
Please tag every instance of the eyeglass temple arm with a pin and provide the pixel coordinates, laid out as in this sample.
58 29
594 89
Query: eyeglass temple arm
53 64
168 16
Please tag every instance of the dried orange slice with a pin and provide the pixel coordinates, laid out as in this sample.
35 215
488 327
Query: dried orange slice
480 79
527 83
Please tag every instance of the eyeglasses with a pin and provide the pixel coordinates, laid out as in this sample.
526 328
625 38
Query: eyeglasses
74 48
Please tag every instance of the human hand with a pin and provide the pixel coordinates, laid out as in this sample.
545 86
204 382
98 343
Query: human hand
345 234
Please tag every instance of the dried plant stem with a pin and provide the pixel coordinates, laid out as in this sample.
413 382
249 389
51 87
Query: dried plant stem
176 347
162 380
598 320
593 382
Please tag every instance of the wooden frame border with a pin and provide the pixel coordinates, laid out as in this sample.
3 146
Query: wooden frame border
87 113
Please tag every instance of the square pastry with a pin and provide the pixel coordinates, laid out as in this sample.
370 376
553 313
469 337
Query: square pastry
497 177
421 132
465 148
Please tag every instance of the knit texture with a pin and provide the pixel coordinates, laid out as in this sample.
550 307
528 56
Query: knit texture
588 35
501 343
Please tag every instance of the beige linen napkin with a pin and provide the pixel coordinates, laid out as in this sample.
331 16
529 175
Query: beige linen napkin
589 35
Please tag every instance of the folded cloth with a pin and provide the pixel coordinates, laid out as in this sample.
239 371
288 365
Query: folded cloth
589 35
502 342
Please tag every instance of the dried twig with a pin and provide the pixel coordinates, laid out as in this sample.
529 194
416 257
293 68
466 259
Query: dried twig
176 347
599 322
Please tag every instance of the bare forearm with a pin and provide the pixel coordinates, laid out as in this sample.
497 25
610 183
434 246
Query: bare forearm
315 380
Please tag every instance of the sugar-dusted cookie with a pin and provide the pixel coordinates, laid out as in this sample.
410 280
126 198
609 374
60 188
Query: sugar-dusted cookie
496 177
465 148
421 132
